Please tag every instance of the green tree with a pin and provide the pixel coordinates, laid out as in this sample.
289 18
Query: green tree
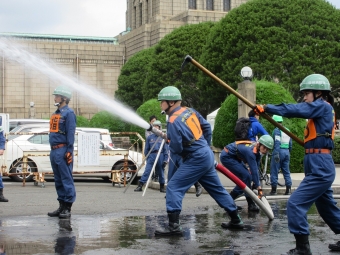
266 93
164 67
82 122
104 119
280 40
132 77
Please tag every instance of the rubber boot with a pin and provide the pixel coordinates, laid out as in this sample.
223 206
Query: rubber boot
288 190
198 188
302 246
66 212
58 211
174 227
2 198
252 207
273 191
161 188
235 221
334 247
140 187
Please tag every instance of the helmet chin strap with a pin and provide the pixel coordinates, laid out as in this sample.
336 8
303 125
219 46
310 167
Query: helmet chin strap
167 109
58 104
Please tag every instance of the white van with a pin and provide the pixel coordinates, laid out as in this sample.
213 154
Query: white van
16 122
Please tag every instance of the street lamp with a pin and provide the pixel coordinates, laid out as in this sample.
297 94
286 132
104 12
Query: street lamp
247 73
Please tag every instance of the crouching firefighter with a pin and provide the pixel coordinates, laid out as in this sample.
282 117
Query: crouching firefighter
62 132
161 162
190 135
236 155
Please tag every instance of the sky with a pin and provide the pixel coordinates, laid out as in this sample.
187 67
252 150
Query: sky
100 18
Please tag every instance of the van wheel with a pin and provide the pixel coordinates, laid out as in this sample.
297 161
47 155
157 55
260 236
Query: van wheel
129 175
16 167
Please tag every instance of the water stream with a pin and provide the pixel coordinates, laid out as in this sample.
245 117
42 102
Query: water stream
16 52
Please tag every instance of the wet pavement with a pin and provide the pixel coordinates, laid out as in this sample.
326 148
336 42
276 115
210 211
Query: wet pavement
107 221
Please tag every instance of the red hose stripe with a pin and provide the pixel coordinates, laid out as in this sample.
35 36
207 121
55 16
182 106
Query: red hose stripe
231 176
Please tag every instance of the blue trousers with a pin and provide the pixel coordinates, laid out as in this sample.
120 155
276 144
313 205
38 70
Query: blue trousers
198 167
284 165
174 163
158 169
1 183
314 188
238 168
63 179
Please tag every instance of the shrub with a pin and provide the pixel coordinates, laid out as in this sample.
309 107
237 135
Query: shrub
104 119
82 122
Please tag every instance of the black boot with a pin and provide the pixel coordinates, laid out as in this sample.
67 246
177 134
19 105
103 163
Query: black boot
234 196
66 212
58 211
302 246
235 221
140 187
288 190
161 188
252 207
334 247
273 191
174 227
198 188
2 198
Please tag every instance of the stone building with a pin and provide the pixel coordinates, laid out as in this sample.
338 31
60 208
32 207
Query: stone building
92 60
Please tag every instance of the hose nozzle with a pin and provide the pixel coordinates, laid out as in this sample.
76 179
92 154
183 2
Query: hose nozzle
157 132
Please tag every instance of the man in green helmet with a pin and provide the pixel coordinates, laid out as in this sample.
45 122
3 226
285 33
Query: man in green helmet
280 158
236 155
317 107
62 132
189 136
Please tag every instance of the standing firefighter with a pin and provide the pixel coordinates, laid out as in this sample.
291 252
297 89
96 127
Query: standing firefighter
2 148
189 134
161 162
62 132
236 155
318 163
280 158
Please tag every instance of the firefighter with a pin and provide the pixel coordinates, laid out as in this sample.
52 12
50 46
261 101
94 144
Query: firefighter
280 158
240 155
317 107
62 132
189 135
2 148
162 159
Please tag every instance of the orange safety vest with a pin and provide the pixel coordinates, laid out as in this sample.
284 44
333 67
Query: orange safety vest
310 131
54 123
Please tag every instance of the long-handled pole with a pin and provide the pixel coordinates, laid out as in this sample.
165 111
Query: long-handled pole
238 95
154 166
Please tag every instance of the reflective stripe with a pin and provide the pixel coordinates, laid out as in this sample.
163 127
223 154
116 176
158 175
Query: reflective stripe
317 151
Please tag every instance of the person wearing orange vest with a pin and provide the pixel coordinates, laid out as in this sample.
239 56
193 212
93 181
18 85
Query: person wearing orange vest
317 107
236 155
189 136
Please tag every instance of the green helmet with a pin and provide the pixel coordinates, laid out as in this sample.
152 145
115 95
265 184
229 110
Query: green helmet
267 141
63 91
315 82
157 123
277 118
169 93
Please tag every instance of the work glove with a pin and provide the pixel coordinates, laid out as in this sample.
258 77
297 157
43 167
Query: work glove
68 158
277 158
259 193
259 109
164 164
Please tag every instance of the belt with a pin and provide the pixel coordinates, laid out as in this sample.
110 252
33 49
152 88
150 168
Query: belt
313 151
53 147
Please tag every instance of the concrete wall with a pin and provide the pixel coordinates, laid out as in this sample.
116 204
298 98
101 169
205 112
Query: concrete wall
99 65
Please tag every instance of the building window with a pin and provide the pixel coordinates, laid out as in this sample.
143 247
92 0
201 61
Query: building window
226 5
192 4
210 5
140 14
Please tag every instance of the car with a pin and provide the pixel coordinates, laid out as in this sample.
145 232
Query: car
35 145
16 122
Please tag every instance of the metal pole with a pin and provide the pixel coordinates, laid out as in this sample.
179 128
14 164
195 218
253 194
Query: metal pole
242 98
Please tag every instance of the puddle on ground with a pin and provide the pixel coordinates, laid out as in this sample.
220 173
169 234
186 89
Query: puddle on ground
203 234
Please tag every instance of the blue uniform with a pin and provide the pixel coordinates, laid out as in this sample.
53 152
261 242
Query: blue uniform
318 167
163 157
62 132
2 147
282 149
190 134
174 162
256 128
236 156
